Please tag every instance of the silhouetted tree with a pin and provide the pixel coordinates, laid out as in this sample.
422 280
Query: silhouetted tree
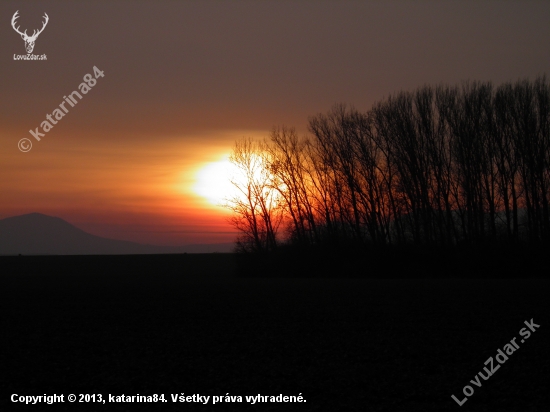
256 210
435 166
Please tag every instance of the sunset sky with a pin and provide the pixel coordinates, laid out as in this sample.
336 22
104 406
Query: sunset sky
135 158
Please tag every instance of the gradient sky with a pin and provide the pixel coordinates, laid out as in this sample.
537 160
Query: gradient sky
184 79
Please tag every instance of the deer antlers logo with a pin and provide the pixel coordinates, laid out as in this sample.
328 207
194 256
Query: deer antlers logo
29 40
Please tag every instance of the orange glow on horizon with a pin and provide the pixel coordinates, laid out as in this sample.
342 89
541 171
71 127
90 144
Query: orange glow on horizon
162 190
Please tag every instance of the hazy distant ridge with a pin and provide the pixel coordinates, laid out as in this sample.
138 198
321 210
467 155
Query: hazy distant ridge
38 234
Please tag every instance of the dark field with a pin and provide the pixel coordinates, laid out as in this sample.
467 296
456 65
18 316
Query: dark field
173 324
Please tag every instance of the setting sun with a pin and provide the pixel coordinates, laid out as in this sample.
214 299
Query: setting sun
213 181
222 180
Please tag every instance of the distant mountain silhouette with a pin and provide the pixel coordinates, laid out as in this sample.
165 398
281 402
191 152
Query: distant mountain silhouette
38 234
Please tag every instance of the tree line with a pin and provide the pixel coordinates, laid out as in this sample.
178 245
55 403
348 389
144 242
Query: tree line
445 165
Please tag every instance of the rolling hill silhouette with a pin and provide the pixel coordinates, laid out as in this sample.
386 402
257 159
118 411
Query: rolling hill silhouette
39 234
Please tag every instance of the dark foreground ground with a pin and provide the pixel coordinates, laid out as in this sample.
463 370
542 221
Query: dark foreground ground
184 324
